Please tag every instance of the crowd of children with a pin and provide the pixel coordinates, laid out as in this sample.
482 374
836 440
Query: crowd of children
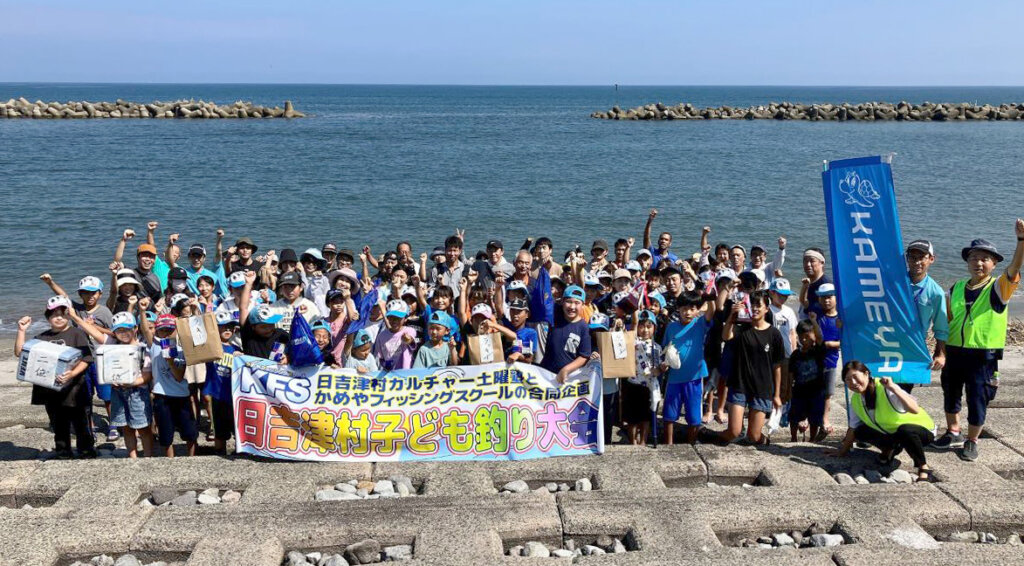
715 337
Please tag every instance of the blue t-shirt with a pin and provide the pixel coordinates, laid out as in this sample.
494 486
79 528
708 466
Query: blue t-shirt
566 342
657 257
527 341
689 341
830 333
218 375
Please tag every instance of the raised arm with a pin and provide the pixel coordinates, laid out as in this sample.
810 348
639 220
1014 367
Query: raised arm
151 232
423 268
705 247
19 340
172 241
128 234
804 288
364 259
369 258
630 242
647 227
220 245
145 327
243 302
780 255
727 330
57 289
818 337
1013 270
91 329
463 302
710 308
115 266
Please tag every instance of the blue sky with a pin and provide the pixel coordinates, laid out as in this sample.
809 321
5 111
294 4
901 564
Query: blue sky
514 42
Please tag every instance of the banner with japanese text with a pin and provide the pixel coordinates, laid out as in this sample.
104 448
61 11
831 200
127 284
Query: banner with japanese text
880 322
486 412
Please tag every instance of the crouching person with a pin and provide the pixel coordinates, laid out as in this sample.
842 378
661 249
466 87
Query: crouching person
884 415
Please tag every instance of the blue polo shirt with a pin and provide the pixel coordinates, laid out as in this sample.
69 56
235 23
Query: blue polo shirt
931 307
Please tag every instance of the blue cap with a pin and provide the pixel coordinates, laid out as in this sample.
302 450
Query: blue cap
442 318
397 308
151 316
90 283
648 316
321 324
227 318
658 298
598 321
264 315
574 292
361 338
334 294
781 286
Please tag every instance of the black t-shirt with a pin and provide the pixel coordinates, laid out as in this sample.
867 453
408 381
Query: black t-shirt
755 354
808 370
255 345
76 394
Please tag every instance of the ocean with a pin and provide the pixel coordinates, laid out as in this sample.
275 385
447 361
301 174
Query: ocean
378 164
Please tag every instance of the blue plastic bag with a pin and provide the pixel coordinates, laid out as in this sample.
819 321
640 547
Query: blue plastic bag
302 348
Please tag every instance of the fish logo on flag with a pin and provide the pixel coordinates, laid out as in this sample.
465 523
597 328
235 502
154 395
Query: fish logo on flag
881 326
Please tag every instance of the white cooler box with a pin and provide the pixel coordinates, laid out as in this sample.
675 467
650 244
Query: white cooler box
41 362
118 364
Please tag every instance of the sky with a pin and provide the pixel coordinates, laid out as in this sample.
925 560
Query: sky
574 42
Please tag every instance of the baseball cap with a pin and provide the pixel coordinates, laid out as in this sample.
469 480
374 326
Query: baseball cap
177 273
287 254
246 241
590 280
196 249
57 302
740 246
495 244
90 283
598 320
922 245
727 274
237 279
981 245
329 248
166 321
826 290
290 278
320 324
125 277
574 292
644 251
178 298
658 298
482 309
519 305
781 286
646 315
263 314
332 295
438 317
438 251
619 297
122 320
604 275
361 338
409 291
225 318
516 285
599 245
397 307
624 273
146 249
756 247
151 316
633 265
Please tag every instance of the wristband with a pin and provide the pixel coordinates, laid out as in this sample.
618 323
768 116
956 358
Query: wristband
1019 239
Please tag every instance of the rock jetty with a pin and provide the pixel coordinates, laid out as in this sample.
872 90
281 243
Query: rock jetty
22 108
867 111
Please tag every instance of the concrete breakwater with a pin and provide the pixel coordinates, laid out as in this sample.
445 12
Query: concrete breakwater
867 111
22 108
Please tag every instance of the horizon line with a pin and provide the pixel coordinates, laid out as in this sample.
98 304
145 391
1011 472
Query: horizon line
552 85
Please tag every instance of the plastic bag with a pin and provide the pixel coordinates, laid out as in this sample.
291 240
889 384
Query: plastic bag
671 357
774 421
302 348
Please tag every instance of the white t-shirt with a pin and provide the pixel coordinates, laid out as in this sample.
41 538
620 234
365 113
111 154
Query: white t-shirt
785 320
308 308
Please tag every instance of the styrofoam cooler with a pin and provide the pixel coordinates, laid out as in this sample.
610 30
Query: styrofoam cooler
41 362
118 364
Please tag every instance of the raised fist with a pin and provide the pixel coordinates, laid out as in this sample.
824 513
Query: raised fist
23 323
128 234
653 213
45 278
220 233
151 226
173 238
782 242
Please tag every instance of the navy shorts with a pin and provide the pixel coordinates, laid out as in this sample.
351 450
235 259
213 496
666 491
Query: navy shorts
973 372
174 414
809 407
688 395
762 404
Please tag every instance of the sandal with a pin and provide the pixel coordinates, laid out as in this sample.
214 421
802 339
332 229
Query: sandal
926 476
823 433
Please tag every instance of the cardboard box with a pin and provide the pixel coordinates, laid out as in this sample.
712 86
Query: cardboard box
618 353
118 364
199 339
41 362
485 349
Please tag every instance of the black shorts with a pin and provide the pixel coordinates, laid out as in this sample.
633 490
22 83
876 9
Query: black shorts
174 414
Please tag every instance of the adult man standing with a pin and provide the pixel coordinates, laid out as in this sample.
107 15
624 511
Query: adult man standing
542 251
659 253
977 335
930 299
814 269
451 271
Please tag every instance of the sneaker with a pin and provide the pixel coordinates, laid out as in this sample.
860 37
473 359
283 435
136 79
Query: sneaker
112 434
949 440
970 451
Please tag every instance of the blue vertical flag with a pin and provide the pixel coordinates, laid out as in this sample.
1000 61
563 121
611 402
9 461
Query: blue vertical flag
880 319
542 304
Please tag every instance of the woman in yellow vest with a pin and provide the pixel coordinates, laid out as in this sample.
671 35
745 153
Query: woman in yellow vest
978 319
886 416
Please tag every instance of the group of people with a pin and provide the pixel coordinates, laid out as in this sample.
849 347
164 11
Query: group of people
718 334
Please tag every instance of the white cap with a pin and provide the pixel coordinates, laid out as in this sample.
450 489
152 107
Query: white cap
826 289
591 280
237 279
484 309
122 320
90 283
177 298
516 285
57 301
634 265
397 307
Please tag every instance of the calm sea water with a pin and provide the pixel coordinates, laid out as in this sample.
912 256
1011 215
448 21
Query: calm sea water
376 164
